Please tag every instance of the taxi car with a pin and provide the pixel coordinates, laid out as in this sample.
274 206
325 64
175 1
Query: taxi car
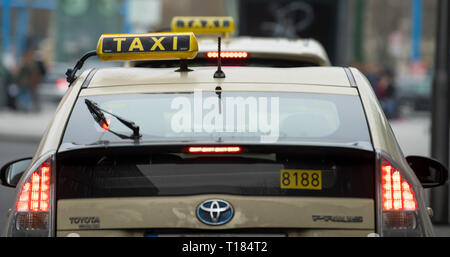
217 151
241 50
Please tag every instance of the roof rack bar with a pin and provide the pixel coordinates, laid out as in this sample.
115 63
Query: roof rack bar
350 77
183 66
70 73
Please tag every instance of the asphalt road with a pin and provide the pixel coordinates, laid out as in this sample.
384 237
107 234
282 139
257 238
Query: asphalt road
413 134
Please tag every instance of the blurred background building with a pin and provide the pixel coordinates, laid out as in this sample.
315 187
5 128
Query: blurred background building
378 31
373 35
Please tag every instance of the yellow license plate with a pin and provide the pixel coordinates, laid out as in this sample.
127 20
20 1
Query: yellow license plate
301 179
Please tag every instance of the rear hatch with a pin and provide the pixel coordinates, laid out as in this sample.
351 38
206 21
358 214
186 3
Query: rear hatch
277 190
288 163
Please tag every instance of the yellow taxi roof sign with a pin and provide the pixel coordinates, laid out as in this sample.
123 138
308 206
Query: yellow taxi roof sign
203 24
147 46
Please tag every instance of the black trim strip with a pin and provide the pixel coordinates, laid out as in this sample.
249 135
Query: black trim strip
88 79
350 77
86 82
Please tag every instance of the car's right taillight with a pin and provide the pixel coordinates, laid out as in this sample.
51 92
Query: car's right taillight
31 215
399 208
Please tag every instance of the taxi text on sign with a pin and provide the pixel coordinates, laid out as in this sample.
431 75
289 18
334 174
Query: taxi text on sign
203 24
147 46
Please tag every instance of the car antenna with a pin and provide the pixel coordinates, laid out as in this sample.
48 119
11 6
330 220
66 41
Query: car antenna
219 73
219 96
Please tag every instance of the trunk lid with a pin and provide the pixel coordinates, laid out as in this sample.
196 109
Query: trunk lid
272 190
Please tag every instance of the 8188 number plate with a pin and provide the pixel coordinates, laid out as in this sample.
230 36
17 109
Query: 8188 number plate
301 179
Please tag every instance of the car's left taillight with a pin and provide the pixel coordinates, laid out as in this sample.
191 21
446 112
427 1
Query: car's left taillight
32 212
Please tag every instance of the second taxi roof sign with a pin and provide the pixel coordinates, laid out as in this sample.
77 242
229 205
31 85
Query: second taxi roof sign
203 24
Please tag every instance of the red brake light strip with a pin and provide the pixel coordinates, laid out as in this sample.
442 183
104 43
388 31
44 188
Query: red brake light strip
214 149
227 54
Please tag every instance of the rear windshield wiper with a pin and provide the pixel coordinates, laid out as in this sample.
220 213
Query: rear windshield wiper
98 114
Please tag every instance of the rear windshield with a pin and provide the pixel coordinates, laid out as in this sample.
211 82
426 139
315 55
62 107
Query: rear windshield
242 117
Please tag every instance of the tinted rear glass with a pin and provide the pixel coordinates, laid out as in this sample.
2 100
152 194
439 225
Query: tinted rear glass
255 117
250 62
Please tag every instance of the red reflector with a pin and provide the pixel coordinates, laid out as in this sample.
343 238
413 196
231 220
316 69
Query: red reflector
214 149
105 126
227 54
397 194
62 83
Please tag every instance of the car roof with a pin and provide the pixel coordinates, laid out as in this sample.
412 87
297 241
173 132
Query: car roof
308 50
279 48
122 76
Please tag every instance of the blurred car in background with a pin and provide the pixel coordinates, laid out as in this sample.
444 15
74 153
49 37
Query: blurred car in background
288 52
252 51
414 93
55 84
241 50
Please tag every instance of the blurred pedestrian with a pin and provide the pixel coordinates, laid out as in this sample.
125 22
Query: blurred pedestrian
42 72
3 85
29 77
386 92
8 88
371 72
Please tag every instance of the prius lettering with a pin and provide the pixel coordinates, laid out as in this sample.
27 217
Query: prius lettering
328 218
